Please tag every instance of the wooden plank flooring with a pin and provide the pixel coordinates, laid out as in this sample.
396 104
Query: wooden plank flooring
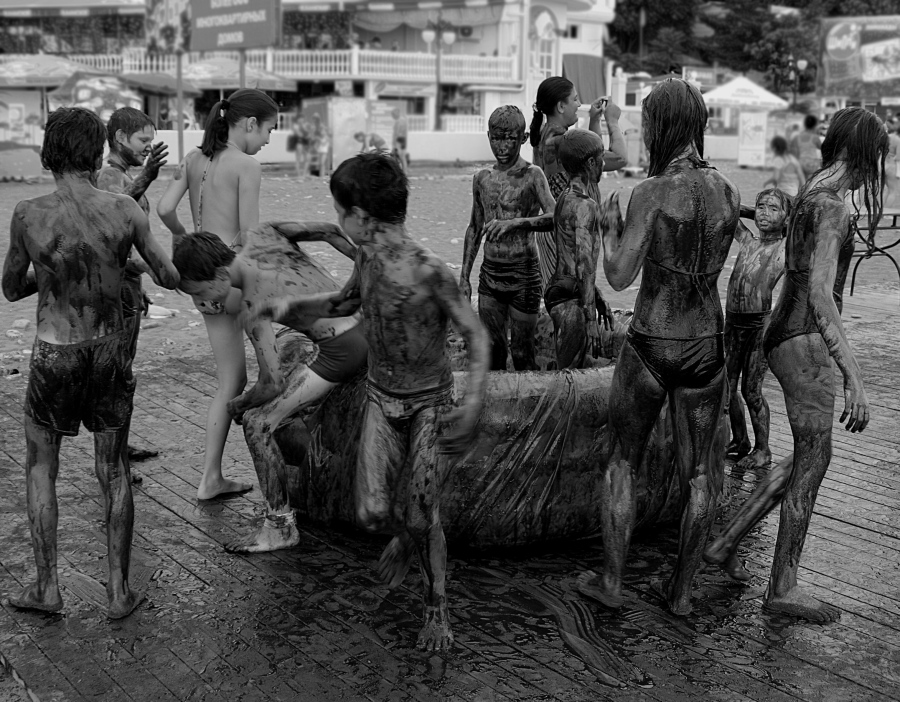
313 622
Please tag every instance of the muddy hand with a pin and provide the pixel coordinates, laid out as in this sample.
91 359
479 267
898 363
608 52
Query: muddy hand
156 159
496 229
856 407
593 335
458 426
236 410
465 287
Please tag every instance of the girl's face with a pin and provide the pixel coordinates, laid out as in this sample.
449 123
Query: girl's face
568 108
258 134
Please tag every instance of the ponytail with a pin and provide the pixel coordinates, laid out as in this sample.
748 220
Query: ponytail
534 132
247 102
550 93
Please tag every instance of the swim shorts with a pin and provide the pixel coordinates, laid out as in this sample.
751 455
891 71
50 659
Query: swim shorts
397 407
517 285
89 382
341 357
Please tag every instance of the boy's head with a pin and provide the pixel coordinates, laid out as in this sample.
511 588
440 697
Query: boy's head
581 154
130 134
202 260
360 136
773 207
73 141
369 186
506 133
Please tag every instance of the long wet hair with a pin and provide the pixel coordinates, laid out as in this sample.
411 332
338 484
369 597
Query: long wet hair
674 117
247 102
73 141
857 137
550 93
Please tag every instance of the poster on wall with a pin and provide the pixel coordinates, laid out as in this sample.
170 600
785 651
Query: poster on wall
860 57
752 142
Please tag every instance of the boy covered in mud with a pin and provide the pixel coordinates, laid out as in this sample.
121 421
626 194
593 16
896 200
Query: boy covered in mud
269 267
408 298
759 266
509 284
78 239
130 135
571 297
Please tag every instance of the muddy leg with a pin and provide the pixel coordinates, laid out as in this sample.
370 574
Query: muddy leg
424 526
279 528
41 469
734 361
635 400
495 317
697 413
571 335
723 550
803 367
115 483
755 368
523 328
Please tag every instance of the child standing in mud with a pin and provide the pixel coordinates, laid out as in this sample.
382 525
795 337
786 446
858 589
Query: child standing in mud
505 200
78 239
759 266
408 298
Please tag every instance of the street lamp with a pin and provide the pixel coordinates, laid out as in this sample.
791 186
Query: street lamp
430 35
796 68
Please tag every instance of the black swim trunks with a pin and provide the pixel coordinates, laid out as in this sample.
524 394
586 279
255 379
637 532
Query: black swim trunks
89 382
566 288
517 285
341 357
679 363
746 320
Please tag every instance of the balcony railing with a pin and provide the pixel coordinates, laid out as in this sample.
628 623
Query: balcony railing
323 65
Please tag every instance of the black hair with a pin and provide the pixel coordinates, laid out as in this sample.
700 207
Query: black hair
576 147
73 141
374 183
674 117
550 93
787 202
507 117
247 102
857 137
810 121
779 145
129 120
198 256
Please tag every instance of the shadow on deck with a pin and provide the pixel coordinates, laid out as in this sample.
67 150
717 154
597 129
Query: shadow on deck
313 623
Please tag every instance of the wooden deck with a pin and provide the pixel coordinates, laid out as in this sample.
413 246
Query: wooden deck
313 623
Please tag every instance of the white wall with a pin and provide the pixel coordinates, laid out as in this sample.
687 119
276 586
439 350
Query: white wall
274 152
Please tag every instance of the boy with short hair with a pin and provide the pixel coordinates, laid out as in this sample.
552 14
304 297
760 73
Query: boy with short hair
506 200
78 239
130 135
269 266
571 297
759 266
408 297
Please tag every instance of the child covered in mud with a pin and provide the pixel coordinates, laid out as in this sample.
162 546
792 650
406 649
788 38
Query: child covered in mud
505 201
78 239
268 267
759 266
408 298
572 299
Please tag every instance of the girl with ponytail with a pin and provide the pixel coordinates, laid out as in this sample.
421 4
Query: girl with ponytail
558 101
223 180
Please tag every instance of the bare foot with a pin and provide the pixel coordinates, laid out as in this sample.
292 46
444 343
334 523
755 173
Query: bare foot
717 554
591 586
680 607
436 634
34 597
797 603
758 458
396 559
121 606
269 537
222 489
737 449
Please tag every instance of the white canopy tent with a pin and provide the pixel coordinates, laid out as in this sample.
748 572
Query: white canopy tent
743 93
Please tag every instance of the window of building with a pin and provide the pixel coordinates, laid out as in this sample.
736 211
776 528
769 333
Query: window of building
543 44
573 31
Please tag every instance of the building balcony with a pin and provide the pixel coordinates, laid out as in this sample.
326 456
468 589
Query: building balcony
344 64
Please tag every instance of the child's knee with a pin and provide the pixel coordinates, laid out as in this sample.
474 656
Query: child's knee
373 517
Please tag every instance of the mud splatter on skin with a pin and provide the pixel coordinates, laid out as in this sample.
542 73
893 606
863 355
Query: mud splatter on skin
759 266
682 224
506 200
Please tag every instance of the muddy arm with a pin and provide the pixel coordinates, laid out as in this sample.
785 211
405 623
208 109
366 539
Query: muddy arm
625 247
159 265
472 241
18 281
270 382
541 223
327 232
168 203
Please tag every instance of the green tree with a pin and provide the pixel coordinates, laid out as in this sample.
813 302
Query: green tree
660 17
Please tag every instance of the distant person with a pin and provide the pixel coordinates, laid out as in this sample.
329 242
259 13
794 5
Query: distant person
321 139
807 145
371 143
300 133
787 174
401 130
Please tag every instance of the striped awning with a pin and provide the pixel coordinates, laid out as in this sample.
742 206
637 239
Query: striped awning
395 6
70 8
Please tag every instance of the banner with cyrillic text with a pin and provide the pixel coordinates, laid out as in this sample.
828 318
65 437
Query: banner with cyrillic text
223 25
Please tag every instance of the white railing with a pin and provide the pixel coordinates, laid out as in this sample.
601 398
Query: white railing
462 123
319 64
418 123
